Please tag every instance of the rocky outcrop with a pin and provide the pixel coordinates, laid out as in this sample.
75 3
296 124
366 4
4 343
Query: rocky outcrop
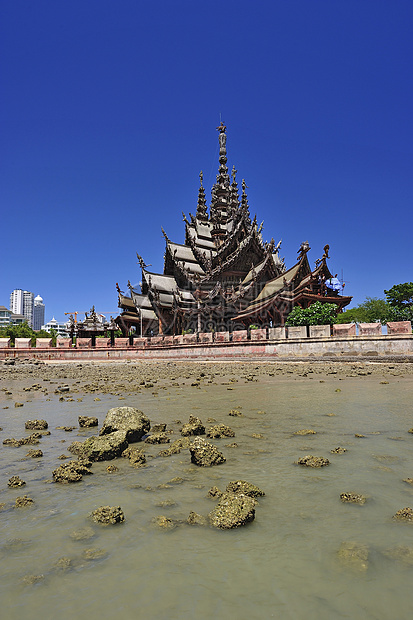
232 511
244 488
12 442
404 514
220 430
16 481
214 493
31 440
158 428
313 461
23 502
205 454
164 522
108 515
132 422
353 498
194 426
136 457
86 421
157 438
36 425
103 448
34 454
73 471
305 431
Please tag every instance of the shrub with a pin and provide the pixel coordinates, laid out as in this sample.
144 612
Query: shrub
316 314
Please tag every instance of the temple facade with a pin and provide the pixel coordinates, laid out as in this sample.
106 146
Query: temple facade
224 276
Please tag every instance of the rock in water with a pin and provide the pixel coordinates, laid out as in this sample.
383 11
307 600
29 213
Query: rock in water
16 481
136 457
220 430
157 438
232 511
71 472
353 498
108 515
245 488
313 461
132 421
34 454
101 448
205 454
86 421
22 502
193 427
36 425
404 514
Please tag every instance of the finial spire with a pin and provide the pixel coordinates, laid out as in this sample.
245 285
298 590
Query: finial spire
244 201
201 209
234 198
220 198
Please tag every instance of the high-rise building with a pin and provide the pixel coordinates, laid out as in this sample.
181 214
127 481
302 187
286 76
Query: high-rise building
16 301
28 305
22 302
38 313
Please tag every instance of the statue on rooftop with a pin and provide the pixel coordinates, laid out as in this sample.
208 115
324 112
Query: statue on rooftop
304 248
222 135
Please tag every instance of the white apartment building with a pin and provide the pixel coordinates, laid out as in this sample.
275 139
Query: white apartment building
16 301
59 328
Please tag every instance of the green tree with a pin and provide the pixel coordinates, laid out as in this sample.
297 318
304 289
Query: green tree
24 331
400 299
400 295
316 314
372 310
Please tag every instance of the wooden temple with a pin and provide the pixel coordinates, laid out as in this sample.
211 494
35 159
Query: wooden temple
224 276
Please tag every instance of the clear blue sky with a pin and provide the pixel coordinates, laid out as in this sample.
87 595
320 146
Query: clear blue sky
108 113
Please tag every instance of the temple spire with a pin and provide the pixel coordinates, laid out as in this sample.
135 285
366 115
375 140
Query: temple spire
244 202
223 176
234 198
221 191
201 209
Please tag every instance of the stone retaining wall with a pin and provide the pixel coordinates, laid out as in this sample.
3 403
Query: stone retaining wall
315 341
354 347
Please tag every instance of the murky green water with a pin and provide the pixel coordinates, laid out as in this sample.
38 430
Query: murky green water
283 565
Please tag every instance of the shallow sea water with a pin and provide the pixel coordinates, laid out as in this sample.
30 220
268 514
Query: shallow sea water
283 565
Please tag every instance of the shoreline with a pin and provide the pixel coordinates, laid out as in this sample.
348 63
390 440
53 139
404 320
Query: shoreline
29 377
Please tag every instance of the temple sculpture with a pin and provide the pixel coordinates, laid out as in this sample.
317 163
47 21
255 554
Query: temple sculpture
224 276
